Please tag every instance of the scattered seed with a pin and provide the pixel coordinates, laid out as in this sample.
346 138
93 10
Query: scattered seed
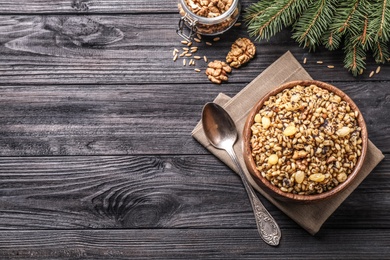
197 70
189 44
330 66
184 42
216 39
237 24
197 40
186 49
197 57
320 62
191 62
371 74
378 69
304 60
182 54
175 57
199 36
205 59
188 54
184 62
209 43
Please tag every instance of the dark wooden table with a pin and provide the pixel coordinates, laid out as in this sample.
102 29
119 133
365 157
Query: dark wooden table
97 159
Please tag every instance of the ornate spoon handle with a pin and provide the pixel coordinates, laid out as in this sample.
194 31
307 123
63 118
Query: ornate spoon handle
266 224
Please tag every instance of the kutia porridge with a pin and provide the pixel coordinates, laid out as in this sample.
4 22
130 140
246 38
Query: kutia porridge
306 140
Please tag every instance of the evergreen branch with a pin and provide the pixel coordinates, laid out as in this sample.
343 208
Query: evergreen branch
273 17
354 56
380 24
380 52
311 26
360 25
254 11
343 15
346 20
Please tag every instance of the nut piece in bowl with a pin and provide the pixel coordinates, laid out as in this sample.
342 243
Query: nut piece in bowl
304 141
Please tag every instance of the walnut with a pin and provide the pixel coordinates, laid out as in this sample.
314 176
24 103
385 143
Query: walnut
241 52
217 71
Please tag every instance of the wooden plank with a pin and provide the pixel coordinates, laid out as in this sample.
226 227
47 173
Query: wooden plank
154 192
46 120
90 6
30 55
192 244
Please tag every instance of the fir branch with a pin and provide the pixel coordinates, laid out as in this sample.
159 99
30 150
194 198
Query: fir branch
380 24
310 27
360 25
354 56
273 17
343 15
254 11
380 52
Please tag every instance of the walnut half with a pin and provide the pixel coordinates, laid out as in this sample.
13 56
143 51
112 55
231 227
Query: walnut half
241 52
217 71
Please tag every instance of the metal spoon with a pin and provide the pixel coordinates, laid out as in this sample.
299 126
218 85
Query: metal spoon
221 132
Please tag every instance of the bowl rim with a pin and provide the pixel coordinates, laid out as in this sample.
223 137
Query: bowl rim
275 191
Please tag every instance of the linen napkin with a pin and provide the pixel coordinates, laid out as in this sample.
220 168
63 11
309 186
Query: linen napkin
309 216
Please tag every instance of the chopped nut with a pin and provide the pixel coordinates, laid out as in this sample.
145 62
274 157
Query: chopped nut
217 71
241 52
257 118
265 122
343 131
290 130
273 159
317 177
299 176
341 177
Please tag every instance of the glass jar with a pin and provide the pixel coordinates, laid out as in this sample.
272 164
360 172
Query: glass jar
194 17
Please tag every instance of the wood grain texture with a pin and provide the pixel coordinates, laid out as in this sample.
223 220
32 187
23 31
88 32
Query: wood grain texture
34 57
96 156
135 119
154 192
192 244
94 6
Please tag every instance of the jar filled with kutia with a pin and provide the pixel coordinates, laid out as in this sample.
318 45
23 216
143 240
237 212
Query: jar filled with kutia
207 17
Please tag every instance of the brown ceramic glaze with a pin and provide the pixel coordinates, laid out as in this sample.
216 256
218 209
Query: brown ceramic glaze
275 191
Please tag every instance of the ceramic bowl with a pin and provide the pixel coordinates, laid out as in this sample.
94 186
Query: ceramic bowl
275 191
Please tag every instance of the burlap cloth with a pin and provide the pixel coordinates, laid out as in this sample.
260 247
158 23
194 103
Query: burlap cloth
310 216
